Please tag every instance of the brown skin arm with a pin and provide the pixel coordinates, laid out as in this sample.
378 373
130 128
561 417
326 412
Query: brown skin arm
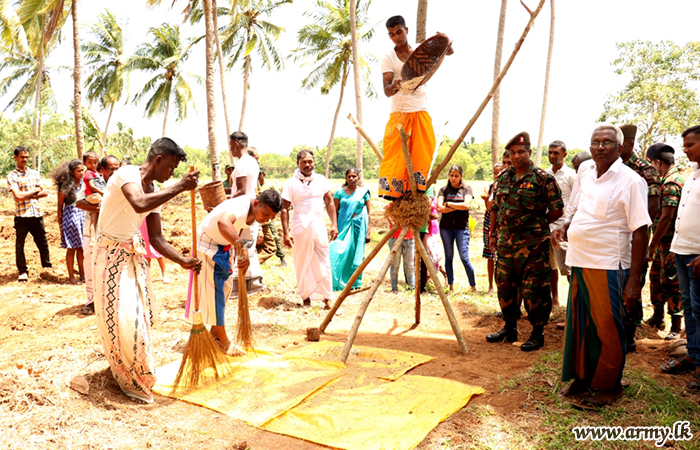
391 86
94 188
85 206
228 231
553 216
493 239
59 208
332 214
633 291
34 193
240 187
559 233
664 223
441 208
336 203
695 264
155 236
284 218
653 207
369 222
145 202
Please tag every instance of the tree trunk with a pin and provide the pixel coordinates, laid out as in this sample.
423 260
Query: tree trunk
210 87
335 118
77 110
358 92
421 21
165 119
245 85
538 159
495 116
220 56
37 103
109 119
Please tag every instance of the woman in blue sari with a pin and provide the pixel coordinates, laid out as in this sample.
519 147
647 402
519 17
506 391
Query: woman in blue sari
348 249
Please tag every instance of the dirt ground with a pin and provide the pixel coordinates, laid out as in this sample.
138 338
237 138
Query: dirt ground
45 342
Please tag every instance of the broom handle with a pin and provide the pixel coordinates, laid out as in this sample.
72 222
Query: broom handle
194 245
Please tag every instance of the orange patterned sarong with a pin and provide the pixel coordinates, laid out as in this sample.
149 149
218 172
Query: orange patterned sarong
393 176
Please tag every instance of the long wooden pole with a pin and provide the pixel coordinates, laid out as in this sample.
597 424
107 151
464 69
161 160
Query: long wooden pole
370 142
368 298
407 158
488 98
355 276
193 211
416 266
441 292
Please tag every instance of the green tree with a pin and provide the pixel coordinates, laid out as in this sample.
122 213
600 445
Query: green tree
107 82
249 33
165 56
326 44
659 97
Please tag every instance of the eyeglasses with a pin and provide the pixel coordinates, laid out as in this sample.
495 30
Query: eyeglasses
605 144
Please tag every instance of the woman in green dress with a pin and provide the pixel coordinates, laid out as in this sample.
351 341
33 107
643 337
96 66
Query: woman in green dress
348 250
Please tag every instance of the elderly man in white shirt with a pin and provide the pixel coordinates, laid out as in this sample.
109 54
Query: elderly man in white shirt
565 176
608 239
686 246
308 192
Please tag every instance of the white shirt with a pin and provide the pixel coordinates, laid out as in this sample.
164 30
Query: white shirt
608 209
307 199
686 241
248 167
584 167
411 101
240 206
118 220
566 177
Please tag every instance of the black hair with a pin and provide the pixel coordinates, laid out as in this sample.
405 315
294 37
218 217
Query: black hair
583 155
89 155
105 161
166 146
63 177
459 169
239 136
352 169
394 21
665 157
19 149
559 144
506 154
691 130
271 198
304 151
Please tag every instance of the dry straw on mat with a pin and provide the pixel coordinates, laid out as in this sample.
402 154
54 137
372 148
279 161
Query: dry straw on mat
244 335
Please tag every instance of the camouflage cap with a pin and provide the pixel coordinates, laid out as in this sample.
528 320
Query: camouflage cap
629 131
657 149
520 139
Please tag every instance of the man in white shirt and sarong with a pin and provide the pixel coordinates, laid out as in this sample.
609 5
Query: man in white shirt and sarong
608 239
123 294
217 237
309 192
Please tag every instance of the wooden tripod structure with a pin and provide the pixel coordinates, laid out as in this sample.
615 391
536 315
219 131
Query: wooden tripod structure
419 244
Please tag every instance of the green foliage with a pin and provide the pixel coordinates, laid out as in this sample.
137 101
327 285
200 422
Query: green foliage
474 158
124 145
659 97
345 157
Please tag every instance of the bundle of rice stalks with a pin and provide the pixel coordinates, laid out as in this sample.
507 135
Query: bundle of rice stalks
410 211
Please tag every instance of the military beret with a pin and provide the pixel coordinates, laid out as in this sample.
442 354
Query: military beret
657 149
629 131
519 139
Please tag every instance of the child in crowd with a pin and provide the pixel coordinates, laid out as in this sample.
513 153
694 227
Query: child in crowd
94 189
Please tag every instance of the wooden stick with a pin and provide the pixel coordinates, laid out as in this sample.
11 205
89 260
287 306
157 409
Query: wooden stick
372 145
416 265
488 98
370 295
357 291
355 276
407 158
441 292
193 210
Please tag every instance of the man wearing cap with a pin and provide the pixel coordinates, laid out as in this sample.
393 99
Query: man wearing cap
527 200
227 182
408 108
663 277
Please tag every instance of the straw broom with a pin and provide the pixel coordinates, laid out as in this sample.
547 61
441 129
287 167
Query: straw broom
202 352
244 335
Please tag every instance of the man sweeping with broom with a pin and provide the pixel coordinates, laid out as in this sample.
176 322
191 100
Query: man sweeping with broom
122 280
217 236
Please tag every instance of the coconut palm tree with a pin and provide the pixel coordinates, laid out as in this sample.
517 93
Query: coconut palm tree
495 117
358 93
77 83
249 33
421 19
107 82
326 44
164 56
546 84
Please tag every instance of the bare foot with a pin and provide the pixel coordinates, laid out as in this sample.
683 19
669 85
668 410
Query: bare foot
235 350
474 290
74 281
326 303
490 291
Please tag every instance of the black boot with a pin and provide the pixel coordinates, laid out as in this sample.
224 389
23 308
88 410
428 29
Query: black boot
675 332
536 340
509 333
657 320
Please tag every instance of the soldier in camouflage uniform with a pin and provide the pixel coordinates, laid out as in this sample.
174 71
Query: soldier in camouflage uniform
651 176
527 200
663 277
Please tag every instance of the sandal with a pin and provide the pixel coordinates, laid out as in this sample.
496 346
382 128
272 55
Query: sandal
88 309
695 384
678 365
